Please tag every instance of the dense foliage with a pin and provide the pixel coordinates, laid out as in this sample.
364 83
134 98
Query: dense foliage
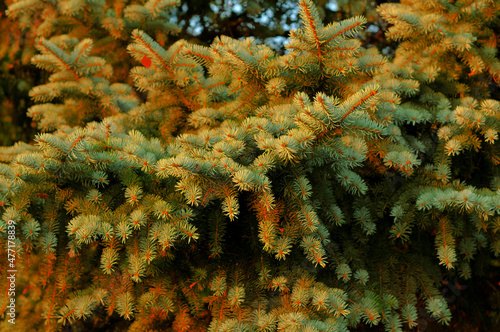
234 187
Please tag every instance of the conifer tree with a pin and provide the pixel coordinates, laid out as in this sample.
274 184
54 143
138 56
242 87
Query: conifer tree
109 24
300 178
451 50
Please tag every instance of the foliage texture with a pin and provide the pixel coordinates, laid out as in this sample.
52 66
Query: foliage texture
232 188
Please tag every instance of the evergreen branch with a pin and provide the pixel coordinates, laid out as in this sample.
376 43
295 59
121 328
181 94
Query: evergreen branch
91 65
42 43
157 4
345 87
330 65
366 129
207 88
246 101
351 27
199 55
334 49
359 103
185 65
138 36
306 9
378 64
20 6
83 50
